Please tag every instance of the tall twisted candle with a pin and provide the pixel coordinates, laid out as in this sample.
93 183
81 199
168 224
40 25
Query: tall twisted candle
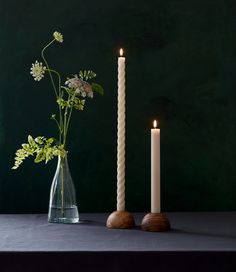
155 170
121 134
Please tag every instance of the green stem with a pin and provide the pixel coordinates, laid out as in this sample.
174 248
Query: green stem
59 93
62 187
60 96
57 123
49 71
66 122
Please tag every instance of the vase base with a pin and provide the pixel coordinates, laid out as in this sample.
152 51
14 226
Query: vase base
64 220
63 216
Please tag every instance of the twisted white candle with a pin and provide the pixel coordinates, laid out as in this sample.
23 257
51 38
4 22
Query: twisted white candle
121 135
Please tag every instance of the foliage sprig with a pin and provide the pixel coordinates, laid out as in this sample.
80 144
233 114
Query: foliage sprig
41 148
71 95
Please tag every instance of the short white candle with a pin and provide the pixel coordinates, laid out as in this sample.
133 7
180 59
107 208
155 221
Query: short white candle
121 134
155 170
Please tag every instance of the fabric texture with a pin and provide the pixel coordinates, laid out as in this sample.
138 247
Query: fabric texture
196 241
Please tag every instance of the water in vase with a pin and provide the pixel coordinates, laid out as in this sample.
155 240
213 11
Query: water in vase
62 205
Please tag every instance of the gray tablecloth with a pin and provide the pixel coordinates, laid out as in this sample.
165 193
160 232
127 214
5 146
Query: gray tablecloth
197 242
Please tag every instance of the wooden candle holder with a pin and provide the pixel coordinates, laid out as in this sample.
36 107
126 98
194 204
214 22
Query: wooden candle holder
155 222
120 220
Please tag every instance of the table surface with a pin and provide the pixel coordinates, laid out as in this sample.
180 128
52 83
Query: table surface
191 231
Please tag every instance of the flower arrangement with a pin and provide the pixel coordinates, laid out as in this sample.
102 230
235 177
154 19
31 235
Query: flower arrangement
70 96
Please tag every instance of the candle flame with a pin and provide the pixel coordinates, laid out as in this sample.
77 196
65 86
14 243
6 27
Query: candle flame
121 52
155 123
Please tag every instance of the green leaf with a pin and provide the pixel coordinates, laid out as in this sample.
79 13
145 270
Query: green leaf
31 140
87 74
39 157
40 140
50 140
25 146
97 88
61 102
79 104
42 148
68 90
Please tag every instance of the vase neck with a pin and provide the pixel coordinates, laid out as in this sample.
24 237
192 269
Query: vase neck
62 160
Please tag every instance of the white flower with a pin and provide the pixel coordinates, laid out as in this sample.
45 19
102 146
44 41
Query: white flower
58 36
81 87
37 70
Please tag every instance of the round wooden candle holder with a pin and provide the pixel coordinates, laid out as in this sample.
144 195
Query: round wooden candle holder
155 222
120 220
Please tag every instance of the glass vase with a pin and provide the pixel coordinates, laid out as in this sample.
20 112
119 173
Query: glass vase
62 203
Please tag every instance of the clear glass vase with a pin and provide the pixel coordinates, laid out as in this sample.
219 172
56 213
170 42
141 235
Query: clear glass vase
62 203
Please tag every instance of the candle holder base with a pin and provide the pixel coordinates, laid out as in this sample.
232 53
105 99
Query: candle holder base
120 220
155 222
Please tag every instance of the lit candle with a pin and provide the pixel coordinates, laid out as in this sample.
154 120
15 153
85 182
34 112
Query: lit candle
155 170
121 134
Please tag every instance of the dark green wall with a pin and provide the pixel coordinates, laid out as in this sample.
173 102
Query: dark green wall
181 67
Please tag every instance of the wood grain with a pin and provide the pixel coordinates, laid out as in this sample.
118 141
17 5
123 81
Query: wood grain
120 220
155 222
